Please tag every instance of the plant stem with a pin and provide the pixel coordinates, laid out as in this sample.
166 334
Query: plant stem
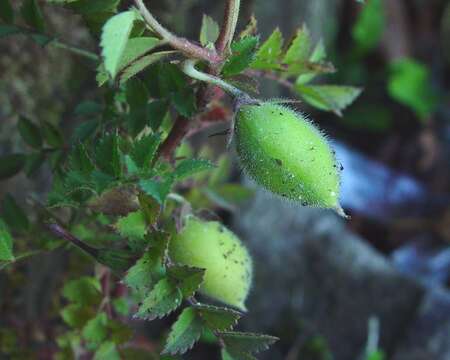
179 129
62 233
188 67
229 26
179 43
75 50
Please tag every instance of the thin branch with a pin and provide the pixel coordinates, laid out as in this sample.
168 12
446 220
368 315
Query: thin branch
177 133
62 233
179 43
228 29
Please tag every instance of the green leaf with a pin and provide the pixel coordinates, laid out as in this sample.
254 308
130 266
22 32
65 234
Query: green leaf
369 27
218 318
156 111
7 30
52 134
243 53
33 163
209 31
329 97
157 189
95 330
88 108
184 102
240 344
114 40
30 133
188 279
107 351
144 150
189 167
149 269
184 333
135 49
32 15
137 98
117 260
85 291
6 243
79 160
13 214
108 156
6 11
76 315
299 51
133 225
11 164
142 63
410 84
267 56
161 301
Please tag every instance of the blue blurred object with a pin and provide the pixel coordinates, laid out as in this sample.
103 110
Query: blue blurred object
429 266
372 189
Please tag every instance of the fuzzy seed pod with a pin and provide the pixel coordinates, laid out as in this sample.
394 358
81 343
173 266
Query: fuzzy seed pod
211 246
283 152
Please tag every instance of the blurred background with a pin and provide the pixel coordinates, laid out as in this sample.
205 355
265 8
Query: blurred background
377 283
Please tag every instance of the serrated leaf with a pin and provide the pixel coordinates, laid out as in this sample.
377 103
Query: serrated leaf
52 134
108 156
135 49
132 226
209 31
142 63
189 167
188 279
267 56
6 11
226 356
13 214
114 39
298 51
137 98
164 298
144 150
32 15
11 164
107 351
241 343
243 52
149 269
117 260
329 97
218 318
30 133
95 330
184 333
157 189
6 243
85 291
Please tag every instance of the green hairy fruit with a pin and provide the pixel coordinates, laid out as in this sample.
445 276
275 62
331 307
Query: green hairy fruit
211 246
283 152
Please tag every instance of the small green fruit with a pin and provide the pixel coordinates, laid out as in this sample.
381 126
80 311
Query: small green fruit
282 151
211 246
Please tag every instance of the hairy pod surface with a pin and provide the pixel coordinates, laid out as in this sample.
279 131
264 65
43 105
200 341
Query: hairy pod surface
211 246
283 152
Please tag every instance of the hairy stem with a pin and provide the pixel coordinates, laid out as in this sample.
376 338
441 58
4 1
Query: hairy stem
188 67
62 233
179 43
229 26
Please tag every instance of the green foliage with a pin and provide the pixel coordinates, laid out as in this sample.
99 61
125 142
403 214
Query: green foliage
409 84
369 27
121 185
209 31
6 243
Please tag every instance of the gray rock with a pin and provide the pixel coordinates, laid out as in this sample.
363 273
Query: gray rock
313 276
